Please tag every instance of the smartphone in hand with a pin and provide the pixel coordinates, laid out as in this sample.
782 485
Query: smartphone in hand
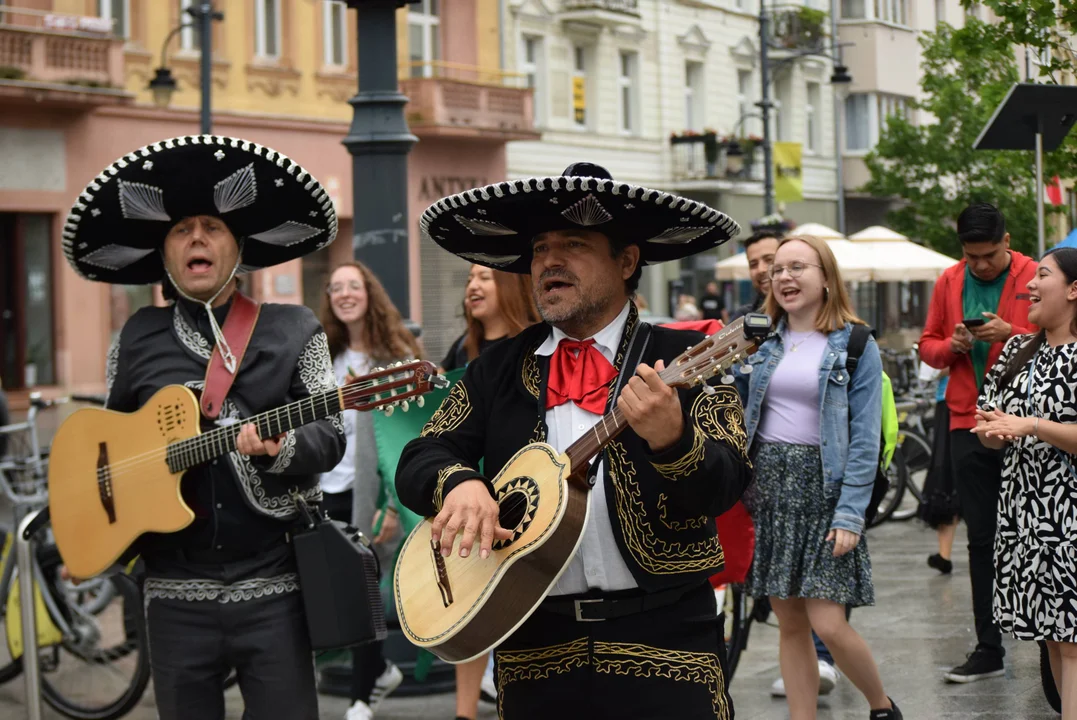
973 322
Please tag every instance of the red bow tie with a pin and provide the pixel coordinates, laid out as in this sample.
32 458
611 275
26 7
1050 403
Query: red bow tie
580 373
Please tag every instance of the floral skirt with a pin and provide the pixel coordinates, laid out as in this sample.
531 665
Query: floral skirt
792 514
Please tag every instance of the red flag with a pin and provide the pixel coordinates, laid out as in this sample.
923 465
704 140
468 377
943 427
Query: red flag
1052 192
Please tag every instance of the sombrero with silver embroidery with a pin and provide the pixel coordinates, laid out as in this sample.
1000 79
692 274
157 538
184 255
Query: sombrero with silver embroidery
116 229
495 225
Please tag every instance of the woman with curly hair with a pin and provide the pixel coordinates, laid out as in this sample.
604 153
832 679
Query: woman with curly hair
364 330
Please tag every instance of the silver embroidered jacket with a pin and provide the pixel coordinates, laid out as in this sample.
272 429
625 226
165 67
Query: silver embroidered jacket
287 359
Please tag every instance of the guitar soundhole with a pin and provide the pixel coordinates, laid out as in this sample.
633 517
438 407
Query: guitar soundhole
519 499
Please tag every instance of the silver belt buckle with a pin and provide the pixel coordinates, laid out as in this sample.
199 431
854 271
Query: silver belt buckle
579 615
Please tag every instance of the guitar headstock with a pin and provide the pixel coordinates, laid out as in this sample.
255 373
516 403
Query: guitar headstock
392 386
718 352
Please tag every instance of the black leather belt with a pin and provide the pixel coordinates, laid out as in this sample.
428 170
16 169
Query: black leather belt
596 608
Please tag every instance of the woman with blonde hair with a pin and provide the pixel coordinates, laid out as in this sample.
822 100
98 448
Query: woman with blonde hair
497 305
813 429
364 329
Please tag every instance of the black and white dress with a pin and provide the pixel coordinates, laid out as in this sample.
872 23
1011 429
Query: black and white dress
1035 550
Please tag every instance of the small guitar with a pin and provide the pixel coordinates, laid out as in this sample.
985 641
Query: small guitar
114 476
459 608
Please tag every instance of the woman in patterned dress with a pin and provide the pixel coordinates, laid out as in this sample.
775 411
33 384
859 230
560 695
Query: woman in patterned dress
363 329
815 428
1029 407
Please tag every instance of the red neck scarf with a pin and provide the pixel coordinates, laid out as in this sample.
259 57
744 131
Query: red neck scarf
580 373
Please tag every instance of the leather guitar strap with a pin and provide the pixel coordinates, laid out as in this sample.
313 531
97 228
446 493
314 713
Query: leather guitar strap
237 331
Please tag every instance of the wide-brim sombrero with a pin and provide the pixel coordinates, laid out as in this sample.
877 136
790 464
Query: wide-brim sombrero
116 228
496 224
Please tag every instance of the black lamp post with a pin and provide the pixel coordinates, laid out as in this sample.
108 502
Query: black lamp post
164 85
379 142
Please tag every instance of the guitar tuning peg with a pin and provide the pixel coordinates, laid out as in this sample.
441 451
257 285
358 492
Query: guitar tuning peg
727 379
420 401
745 369
709 389
404 406
389 410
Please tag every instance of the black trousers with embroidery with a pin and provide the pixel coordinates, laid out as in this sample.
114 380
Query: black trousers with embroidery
663 663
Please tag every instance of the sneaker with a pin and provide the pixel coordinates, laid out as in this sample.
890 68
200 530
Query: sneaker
828 678
978 665
359 711
389 680
940 563
891 713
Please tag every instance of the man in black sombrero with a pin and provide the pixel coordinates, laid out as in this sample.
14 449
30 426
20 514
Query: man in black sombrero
655 648
223 592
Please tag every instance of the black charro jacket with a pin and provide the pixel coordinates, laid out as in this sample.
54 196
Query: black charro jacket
661 506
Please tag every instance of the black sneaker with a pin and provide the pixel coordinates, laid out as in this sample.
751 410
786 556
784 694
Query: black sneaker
979 665
940 563
891 713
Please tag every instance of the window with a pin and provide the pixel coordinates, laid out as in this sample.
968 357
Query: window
267 28
627 81
940 12
744 98
579 86
424 37
973 11
119 11
854 9
531 65
858 122
335 33
693 95
892 11
190 39
891 105
811 113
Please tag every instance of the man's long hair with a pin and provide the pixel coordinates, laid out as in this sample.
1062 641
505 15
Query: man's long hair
384 335
515 303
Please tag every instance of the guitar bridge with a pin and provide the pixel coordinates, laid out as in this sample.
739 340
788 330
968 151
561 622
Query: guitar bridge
441 573
104 482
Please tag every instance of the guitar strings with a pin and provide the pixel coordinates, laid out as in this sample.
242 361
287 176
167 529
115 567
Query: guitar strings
206 440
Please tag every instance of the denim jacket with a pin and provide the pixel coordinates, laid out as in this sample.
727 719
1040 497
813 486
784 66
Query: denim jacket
850 419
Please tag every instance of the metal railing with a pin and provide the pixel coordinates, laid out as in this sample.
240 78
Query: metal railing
629 7
799 28
461 72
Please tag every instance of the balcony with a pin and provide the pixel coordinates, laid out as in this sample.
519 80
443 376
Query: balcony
706 160
62 59
461 101
600 12
798 29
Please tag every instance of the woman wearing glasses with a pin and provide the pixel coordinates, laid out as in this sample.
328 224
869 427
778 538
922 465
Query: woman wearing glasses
364 330
814 433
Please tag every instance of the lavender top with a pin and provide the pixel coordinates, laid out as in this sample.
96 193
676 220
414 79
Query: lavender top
791 405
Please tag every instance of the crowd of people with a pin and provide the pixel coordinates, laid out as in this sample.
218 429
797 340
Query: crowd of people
554 342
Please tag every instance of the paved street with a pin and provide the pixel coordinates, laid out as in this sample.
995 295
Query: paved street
920 626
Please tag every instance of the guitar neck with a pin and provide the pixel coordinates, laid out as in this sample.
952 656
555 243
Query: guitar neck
580 452
185 454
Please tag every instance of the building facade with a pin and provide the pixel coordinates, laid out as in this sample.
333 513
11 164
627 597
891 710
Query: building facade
637 85
73 97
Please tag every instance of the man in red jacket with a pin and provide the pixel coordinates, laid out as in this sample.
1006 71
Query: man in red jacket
988 284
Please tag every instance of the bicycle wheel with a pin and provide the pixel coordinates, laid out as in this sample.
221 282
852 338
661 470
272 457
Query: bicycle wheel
896 474
917 453
100 670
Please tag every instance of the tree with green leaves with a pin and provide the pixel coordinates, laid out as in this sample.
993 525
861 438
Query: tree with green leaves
932 168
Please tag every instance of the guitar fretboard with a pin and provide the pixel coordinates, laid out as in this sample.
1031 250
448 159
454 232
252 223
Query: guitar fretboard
186 454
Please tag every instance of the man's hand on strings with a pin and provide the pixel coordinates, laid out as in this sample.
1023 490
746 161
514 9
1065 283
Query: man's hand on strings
471 508
248 442
652 408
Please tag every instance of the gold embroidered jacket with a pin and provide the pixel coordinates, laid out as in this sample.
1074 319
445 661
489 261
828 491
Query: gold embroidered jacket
662 506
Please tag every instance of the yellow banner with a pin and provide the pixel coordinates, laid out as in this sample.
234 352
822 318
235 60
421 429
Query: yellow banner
579 99
788 172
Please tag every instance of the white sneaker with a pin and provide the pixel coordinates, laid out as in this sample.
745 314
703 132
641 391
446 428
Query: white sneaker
389 680
359 711
828 678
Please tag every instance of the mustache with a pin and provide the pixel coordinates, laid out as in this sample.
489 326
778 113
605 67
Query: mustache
557 275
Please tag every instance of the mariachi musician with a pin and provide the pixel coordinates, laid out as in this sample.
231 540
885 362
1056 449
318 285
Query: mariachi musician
640 572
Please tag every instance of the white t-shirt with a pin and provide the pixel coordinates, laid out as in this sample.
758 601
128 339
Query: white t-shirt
341 478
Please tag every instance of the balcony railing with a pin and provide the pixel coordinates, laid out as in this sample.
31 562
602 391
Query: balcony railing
629 7
706 157
454 99
798 28
36 46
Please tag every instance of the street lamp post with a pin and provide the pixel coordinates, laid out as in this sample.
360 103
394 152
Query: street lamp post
379 142
164 85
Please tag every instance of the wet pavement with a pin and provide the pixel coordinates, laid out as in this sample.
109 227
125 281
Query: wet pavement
920 627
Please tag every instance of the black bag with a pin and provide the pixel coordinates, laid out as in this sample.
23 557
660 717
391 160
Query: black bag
338 577
858 340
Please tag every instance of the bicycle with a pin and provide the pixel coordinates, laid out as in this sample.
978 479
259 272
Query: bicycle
97 625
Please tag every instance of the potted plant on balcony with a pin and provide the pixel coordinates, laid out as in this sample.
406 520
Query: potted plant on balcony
711 147
811 27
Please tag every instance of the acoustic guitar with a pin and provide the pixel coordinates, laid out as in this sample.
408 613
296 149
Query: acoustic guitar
459 608
114 476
